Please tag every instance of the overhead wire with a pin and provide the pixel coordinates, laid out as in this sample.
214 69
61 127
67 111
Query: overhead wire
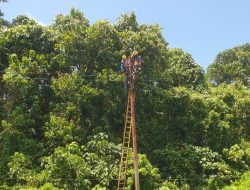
114 179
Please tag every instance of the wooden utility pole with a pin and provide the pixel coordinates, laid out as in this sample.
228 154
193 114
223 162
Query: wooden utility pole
129 130
136 170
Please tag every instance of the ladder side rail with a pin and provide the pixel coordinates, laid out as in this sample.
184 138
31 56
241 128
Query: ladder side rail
125 148
127 158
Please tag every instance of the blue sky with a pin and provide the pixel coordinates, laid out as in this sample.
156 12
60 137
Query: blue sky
200 27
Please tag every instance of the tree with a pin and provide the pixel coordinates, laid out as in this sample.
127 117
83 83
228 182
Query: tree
62 104
183 70
231 65
103 46
70 167
22 38
23 20
127 22
241 184
26 108
224 123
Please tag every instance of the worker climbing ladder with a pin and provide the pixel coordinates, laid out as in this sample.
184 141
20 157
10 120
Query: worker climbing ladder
129 130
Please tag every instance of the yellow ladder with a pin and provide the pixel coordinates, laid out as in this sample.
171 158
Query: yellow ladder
125 148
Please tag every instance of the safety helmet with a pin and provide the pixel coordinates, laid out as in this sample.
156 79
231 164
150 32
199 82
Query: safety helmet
135 52
124 57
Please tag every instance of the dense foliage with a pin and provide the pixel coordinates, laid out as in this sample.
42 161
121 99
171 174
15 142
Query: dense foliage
231 65
62 105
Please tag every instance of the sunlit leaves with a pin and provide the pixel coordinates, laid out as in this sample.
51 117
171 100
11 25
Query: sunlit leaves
231 65
127 22
183 70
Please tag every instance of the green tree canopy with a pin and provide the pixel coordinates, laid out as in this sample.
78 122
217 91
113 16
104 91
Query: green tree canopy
183 70
62 106
231 65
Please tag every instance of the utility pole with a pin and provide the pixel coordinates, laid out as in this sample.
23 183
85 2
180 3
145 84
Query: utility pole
136 170
130 127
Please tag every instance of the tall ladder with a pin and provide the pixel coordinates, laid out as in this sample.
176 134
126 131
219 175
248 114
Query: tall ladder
125 147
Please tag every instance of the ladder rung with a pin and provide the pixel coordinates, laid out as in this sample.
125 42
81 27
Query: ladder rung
126 145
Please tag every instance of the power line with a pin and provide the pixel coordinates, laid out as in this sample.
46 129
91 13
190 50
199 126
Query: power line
114 179
59 72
